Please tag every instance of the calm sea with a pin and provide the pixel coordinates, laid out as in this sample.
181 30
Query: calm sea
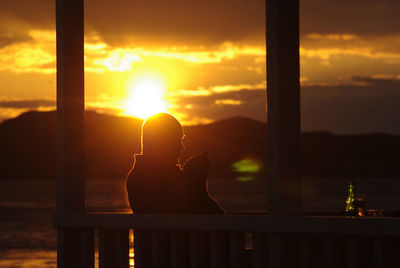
27 238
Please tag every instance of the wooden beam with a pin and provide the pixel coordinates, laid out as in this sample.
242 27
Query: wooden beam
357 226
283 107
73 250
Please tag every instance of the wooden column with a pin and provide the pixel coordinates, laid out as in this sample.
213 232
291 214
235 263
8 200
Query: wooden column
283 115
283 119
73 244
283 107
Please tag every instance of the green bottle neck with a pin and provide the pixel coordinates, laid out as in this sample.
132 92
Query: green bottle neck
351 188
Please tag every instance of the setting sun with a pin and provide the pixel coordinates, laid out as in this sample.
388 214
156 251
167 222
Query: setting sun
146 98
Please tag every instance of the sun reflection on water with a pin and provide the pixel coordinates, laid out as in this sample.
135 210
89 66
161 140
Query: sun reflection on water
131 252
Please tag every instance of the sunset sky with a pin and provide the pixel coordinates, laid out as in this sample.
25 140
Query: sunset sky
205 60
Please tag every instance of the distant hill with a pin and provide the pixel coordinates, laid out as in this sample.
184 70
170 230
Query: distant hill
28 148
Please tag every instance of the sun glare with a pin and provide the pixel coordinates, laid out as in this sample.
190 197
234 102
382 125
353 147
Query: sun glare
146 98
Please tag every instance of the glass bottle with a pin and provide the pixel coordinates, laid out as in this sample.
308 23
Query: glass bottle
350 209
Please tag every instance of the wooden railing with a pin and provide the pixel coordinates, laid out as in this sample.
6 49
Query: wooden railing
241 240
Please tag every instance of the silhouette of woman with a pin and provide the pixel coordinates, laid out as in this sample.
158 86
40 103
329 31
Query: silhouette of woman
157 184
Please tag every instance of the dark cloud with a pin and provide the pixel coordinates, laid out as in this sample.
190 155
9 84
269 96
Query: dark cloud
252 104
243 95
177 21
6 40
379 82
209 21
372 107
153 21
103 110
28 13
28 103
360 17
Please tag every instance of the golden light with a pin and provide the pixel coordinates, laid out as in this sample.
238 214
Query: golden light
146 97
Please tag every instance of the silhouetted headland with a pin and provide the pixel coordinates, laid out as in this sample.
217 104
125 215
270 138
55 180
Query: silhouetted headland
28 148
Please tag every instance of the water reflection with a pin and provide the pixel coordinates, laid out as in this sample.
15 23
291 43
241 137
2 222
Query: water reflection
32 258
131 252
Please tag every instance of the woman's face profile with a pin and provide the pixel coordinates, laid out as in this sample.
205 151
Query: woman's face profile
174 150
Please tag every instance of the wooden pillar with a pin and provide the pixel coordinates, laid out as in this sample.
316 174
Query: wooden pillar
283 119
283 107
73 245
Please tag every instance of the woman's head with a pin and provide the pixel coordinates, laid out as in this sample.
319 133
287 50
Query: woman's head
162 137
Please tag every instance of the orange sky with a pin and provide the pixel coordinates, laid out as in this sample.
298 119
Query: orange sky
208 59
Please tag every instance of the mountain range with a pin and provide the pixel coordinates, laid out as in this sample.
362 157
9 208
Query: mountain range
28 148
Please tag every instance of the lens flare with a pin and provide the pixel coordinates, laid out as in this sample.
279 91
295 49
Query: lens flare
247 169
246 166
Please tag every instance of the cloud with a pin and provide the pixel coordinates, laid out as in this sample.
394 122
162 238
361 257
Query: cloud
207 22
360 18
217 49
10 39
383 81
27 14
121 34
157 22
367 104
215 106
367 52
176 22
333 37
27 103
10 108
35 54
370 104
228 102
100 55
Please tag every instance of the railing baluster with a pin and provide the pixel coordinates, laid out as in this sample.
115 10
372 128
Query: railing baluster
193 249
122 240
155 258
179 244
304 252
353 256
237 250
174 250
274 250
160 248
360 251
114 248
142 248
327 253
199 250
377 246
87 247
219 250
260 250
213 250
